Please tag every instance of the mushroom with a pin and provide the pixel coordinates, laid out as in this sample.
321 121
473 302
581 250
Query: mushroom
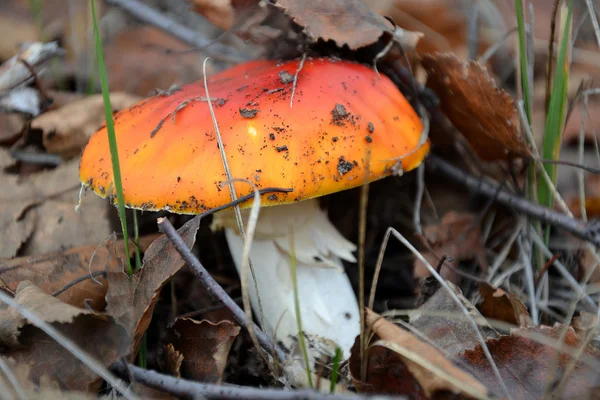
344 126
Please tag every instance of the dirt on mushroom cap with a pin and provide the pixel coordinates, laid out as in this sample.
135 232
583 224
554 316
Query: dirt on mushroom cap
170 158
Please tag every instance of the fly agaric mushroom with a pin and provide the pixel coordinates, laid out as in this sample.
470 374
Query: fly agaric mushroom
345 126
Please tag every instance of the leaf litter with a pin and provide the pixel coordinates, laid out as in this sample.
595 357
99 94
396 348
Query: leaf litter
69 268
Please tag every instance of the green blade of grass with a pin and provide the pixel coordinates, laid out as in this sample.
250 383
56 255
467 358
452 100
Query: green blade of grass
112 140
335 369
524 65
556 111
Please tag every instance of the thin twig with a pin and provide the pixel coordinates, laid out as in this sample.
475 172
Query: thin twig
576 227
78 280
188 389
213 287
69 345
152 16
419 199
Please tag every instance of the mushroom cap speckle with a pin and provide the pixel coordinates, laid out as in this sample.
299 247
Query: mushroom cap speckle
347 126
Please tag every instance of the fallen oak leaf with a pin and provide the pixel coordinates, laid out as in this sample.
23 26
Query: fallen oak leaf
172 360
530 367
131 300
204 347
432 372
485 114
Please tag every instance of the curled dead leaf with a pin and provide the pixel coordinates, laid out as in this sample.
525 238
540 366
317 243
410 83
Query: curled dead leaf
204 347
507 307
485 114
405 356
131 300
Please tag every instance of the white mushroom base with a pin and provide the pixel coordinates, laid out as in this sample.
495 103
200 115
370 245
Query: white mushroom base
328 305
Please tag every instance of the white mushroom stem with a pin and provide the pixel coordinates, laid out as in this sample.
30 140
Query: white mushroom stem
328 305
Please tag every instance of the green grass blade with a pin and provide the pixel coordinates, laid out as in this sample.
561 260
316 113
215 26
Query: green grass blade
112 140
524 65
556 111
293 271
335 370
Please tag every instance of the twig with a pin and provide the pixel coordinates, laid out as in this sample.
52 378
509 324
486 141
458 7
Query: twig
580 229
148 14
214 288
189 389
69 345
79 280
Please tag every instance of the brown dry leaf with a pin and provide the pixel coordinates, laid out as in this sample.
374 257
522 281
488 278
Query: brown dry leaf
204 347
138 62
458 236
20 199
131 301
441 320
49 308
485 114
68 129
96 334
46 390
502 306
529 368
432 372
172 361
346 22
52 272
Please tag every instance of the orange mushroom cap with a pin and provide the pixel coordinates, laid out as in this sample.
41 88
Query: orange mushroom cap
347 126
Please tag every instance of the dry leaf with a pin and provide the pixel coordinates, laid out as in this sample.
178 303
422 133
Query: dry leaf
138 61
172 361
445 327
502 306
204 346
458 236
529 368
346 22
96 334
131 301
402 351
68 129
52 272
49 308
19 200
485 114
14 73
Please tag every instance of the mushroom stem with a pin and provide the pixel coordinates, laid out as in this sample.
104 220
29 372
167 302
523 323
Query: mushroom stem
329 310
